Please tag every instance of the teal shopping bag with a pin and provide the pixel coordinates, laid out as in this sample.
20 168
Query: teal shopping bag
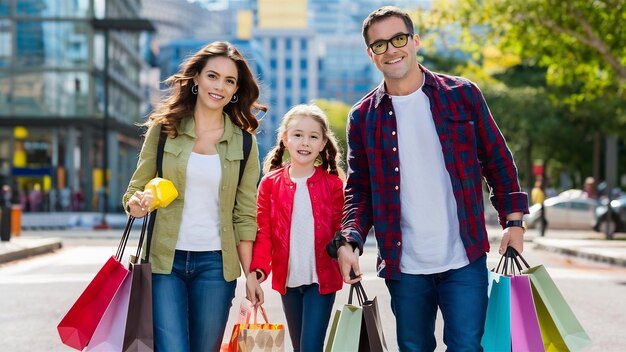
497 336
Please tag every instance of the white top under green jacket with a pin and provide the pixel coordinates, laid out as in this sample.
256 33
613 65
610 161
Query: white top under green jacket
237 222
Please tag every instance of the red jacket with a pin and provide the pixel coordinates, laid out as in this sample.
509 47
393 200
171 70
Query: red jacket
274 208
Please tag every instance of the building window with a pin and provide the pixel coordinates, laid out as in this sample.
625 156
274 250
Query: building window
303 83
273 44
51 94
303 44
303 64
5 43
5 7
48 43
5 90
288 64
287 44
56 8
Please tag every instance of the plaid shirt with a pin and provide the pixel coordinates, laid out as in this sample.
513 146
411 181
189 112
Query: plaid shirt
472 146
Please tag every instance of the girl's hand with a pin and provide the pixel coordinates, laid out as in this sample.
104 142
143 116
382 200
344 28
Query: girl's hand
139 203
254 292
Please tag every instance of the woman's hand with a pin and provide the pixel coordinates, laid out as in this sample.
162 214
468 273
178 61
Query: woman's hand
139 203
254 292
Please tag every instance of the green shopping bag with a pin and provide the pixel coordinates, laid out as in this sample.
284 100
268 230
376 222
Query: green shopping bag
560 330
347 332
333 330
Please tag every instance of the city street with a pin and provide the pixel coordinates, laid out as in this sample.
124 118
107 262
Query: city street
36 292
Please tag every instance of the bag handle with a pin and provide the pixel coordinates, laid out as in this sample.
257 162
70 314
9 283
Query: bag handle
120 248
126 234
263 313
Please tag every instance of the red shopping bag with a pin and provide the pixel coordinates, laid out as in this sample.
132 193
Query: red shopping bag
78 325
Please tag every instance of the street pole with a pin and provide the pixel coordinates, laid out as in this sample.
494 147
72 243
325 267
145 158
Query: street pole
105 139
611 180
106 25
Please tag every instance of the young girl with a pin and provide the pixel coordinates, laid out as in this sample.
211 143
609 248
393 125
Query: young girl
299 209
201 239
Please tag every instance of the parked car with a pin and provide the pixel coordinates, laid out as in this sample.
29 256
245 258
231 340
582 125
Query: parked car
618 216
564 212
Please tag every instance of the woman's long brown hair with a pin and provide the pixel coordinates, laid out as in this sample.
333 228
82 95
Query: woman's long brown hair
181 101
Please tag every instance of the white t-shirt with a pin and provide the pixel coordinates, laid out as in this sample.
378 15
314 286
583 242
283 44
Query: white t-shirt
200 225
302 238
431 242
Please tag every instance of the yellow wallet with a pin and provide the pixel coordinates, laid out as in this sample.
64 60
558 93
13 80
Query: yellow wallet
164 192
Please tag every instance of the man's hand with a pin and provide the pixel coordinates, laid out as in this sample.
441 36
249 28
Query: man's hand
349 261
512 236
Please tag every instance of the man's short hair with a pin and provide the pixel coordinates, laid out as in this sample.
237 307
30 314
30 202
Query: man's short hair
384 13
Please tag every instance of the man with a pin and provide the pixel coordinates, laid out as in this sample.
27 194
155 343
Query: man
418 146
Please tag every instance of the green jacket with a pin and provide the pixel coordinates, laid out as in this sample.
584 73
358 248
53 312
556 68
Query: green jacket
237 222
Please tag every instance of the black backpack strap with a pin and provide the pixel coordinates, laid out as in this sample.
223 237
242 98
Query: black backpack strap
247 146
153 214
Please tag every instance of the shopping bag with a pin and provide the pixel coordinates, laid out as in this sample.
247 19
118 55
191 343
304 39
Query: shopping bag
248 337
372 338
525 333
348 331
560 329
109 334
79 324
333 330
138 335
497 336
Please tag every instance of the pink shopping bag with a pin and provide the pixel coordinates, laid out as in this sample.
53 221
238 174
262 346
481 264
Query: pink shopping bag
109 335
525 332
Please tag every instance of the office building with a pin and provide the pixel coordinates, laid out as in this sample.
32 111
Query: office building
53 119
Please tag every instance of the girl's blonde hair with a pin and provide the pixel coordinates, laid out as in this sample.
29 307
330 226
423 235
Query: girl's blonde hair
329 158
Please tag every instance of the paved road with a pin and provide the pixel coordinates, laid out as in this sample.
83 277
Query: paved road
36 292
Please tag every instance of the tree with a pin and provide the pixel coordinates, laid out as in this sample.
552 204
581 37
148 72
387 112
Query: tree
581 43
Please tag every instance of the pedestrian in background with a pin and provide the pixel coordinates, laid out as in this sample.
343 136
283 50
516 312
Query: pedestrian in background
203 237
537 195
418 145
299 209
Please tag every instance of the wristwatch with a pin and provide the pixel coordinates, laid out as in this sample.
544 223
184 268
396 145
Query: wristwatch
516 223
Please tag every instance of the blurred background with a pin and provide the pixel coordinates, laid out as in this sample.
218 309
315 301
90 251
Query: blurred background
77 76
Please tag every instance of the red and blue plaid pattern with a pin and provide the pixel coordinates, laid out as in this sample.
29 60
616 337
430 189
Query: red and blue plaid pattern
472 145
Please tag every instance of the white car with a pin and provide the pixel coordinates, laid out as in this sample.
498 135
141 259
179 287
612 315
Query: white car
563 212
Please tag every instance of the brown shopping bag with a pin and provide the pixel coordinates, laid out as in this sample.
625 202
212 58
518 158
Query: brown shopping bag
265 337
372 338
138 335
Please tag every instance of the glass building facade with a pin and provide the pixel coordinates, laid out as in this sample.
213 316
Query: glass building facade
52 101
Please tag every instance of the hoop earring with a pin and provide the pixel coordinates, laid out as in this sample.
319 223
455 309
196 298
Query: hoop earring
194 89
234 99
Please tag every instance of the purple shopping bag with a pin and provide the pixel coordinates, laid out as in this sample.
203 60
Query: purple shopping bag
109 334
525 332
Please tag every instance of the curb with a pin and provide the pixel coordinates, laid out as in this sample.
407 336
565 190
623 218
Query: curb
581 254
24 251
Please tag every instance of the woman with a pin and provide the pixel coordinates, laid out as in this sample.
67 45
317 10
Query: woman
202 238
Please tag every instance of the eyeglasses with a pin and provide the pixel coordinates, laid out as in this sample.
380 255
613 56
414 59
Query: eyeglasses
380 46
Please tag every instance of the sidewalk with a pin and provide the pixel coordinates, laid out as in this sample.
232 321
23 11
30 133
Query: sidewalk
585 244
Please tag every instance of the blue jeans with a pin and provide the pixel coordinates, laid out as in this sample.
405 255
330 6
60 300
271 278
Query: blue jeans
191 304
461 294
308 313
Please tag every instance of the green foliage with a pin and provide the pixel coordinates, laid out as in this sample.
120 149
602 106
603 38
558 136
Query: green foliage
580 43
337 113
